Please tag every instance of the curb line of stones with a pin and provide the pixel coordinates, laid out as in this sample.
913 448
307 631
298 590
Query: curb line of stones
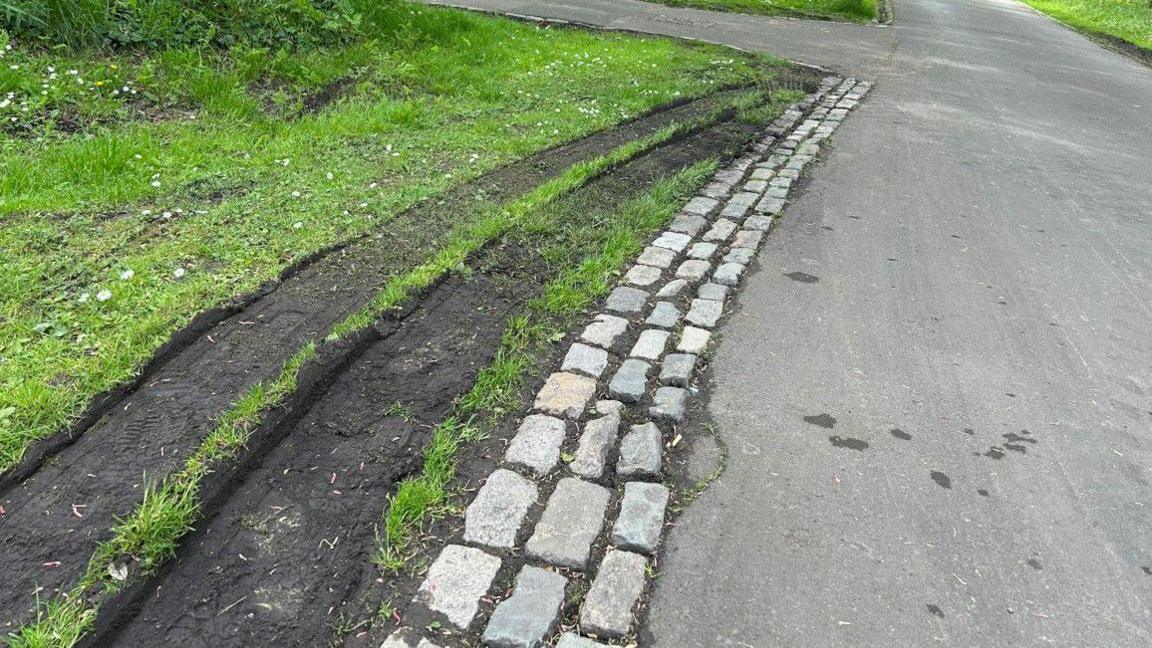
705 249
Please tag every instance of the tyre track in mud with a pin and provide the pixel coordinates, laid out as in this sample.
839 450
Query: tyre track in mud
64 498
288 552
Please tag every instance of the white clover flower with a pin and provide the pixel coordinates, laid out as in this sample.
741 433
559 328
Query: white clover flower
295 194
179 272
127 275
329 175
297 224
104 295
83 298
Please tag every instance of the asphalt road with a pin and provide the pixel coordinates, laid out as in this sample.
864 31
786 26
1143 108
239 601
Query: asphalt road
979 331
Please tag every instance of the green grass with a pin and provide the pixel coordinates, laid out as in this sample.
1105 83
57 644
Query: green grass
1127 20
206 179
847 10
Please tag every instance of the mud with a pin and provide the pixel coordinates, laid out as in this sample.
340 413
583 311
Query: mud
144 431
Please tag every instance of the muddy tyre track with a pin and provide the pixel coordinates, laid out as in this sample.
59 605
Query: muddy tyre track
64 498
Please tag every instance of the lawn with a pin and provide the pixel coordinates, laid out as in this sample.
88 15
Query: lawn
159 159
1127 20
849 10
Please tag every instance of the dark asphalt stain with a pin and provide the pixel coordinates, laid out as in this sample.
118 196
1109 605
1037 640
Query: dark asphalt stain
890 259
850 443
802 277
955 236
993 453
983 492
828 227
1016 447
1024 437
1009 394
1147 570
823 420
1034 564
900 434
941 479
935 611
969 431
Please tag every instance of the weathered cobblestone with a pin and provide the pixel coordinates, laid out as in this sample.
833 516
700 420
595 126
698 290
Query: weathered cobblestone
569 640
526 618
689 224
407 638
657 256
607 609
630 381
641 517
672 288
669 404
757 186
609 407
570 523
740 255
717 190
627 300
604 331
640 452
642 275
759 222
701 206
456 582
702 250
591 456
677 369
720 231
728 274
585 359
537 443
748 239
674 241
650 345
693 270
704 313
495 516
565 394
664 315
713 291
770 205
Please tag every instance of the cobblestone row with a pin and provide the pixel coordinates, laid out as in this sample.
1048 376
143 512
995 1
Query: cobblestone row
642 351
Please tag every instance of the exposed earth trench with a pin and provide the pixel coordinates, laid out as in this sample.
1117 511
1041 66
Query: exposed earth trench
284 550
64 497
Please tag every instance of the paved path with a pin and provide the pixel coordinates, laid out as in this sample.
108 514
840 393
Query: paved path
982 239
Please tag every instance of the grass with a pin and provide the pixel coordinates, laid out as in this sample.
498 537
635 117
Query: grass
847 10
1127 20
151 185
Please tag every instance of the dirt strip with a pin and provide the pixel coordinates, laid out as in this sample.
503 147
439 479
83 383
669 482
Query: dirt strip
64 498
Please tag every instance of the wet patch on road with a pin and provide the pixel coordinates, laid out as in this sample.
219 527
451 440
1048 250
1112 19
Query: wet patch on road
802 277
849 442
942 480
935 611
900 434
825 421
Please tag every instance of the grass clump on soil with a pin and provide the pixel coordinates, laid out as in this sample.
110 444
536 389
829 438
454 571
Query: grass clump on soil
847 10
140 186
1129 21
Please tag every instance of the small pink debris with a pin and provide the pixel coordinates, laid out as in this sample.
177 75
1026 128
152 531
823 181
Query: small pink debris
76 509
52 564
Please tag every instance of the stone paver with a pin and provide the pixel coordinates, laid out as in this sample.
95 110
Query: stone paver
607 609
496 515
657 256
537 443
604 331
720 231
693 340
630 381
693 270
761 222
456 582
728 274
674 241
585 359
739 255
704 313
570 523
713 291
526 618
672 289
650 345
689 224
641 517
701 206
627 300
591 455
748 239
702 250
669 404
641 452
642 275
664 315
407 638
569 640
677 369
565 394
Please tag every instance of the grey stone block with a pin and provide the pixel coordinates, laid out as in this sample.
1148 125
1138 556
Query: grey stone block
609 407
712 291
717 190
641 517
701 205
728 274
630 381
770 205
607 609
604 330
762 172
782 181
627 300
642 275
674 241
407 638
525 619
669 404
703 250
585 359
650 345
641 452
761 222
757 186
570 524
664 314
689 224
693 340
740 255
736 211
693 270
657 256
677 369
595 445
569 640
720 231
537 443
748 239
456 582
672 288
777 192
565 394
704 313
495 516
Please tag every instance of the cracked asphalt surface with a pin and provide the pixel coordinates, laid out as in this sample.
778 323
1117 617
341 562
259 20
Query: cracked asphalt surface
936 390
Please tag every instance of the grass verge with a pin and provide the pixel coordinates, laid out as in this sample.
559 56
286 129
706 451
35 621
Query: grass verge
1126 21
846 10
123 213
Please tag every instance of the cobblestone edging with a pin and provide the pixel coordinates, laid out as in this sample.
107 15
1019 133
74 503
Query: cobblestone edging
642 351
